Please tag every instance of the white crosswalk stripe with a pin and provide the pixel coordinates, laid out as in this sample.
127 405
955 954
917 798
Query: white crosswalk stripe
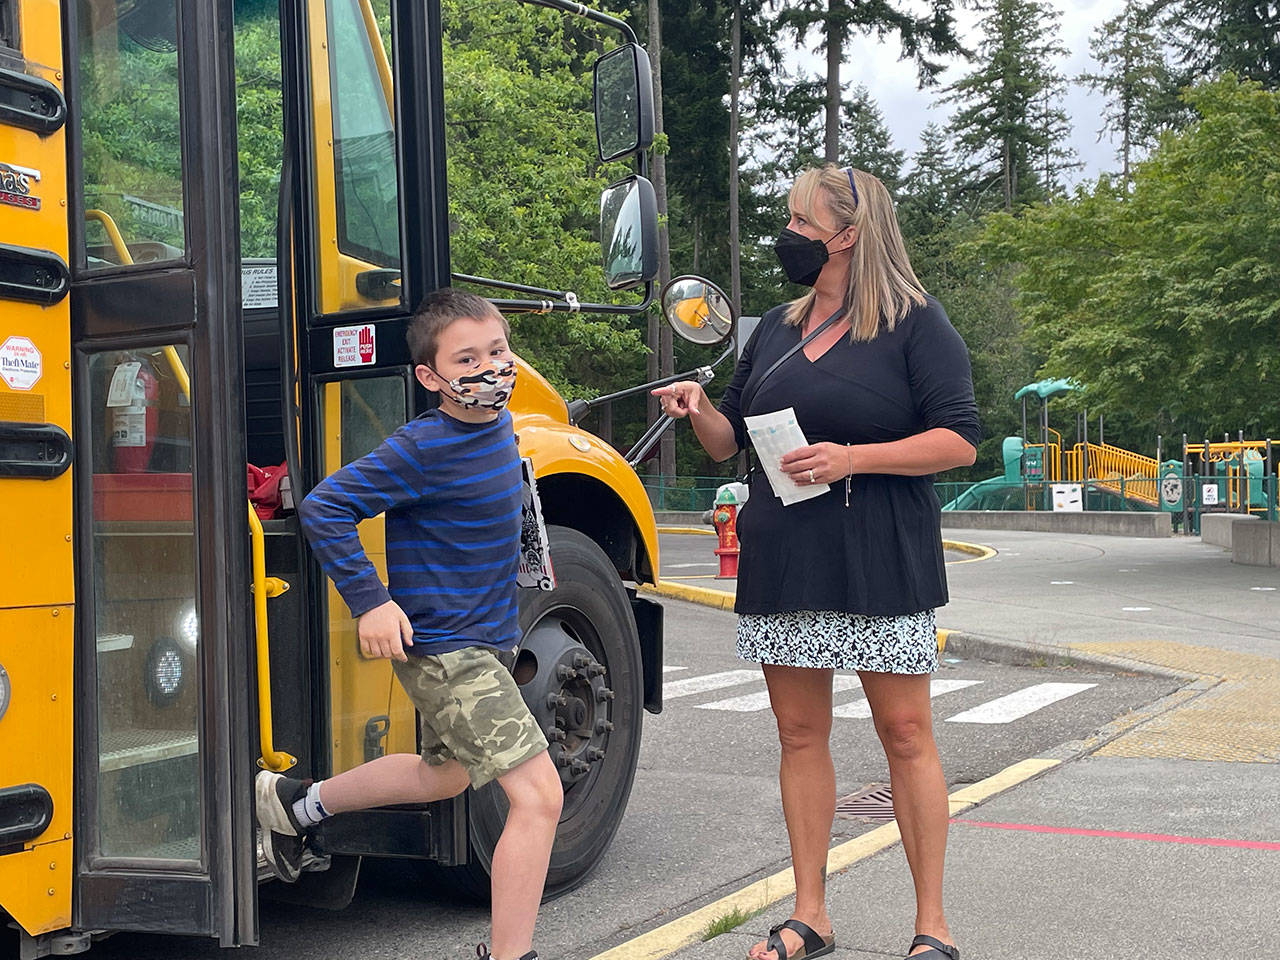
760 701
861 709
1005 709
1020 703
711 681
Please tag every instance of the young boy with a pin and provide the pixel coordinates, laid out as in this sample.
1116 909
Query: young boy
449 482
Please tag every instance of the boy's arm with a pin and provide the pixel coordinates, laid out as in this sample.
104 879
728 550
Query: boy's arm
385 478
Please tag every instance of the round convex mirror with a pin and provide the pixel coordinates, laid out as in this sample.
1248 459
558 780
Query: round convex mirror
697 310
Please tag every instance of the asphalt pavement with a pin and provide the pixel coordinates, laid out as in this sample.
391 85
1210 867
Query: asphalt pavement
1159 837
1131 813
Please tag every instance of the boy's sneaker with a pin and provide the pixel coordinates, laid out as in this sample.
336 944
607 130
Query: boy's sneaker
282 835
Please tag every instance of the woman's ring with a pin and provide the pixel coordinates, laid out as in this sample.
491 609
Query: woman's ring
811 480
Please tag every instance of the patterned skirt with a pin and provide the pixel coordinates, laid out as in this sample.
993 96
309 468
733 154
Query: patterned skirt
841 641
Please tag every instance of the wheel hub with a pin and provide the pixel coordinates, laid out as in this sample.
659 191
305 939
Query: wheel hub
564 686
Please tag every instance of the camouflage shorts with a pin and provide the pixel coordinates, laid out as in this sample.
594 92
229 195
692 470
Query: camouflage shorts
471 710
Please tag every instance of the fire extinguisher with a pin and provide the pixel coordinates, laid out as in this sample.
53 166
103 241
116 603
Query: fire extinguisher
134 417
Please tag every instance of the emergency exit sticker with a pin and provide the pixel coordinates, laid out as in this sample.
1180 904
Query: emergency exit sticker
20 363
354 346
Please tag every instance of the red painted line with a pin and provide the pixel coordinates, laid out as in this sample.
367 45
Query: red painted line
1125 835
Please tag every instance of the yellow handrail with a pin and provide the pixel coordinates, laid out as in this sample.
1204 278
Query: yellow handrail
113 234
1122 471
271 759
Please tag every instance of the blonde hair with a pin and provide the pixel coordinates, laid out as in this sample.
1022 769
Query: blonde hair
882 285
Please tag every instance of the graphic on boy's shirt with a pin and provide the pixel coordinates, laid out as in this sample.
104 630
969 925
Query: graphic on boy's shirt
535 556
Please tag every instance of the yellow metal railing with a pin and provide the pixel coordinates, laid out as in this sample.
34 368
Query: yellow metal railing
1121 471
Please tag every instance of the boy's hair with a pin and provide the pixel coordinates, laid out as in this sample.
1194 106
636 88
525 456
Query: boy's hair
437 312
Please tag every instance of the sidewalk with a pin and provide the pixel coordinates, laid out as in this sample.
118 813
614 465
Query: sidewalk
1164 841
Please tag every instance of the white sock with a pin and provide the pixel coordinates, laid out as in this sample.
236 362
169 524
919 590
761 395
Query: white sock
308 809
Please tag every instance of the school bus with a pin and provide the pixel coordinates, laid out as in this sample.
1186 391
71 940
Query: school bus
162 635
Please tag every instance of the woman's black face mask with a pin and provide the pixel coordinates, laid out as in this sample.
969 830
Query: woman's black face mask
802 258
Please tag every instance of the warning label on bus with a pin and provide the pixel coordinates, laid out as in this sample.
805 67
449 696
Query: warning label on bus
20 363
354 346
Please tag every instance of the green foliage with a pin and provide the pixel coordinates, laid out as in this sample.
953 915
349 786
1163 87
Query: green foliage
735 917
524 187
1166 303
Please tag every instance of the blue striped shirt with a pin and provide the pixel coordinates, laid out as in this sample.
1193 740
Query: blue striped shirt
452 495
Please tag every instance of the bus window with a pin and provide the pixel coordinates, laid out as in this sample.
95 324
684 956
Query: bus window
145 624
366 187
9 25
130 133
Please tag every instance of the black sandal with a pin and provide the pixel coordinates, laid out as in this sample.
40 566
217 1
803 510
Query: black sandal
946 951
482 953
812 944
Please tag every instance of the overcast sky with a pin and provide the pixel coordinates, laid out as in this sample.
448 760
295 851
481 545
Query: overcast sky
906 110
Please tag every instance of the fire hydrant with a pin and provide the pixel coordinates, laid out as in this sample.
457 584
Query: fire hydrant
725 518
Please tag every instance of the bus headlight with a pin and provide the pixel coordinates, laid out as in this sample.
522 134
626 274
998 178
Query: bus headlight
166 671
189 630
4 691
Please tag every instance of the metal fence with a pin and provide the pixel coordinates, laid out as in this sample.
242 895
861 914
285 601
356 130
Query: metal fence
683 493
1187 500
1258 496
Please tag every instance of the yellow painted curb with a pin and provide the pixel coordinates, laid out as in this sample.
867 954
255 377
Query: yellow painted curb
682 931
719 599
701 531
975 550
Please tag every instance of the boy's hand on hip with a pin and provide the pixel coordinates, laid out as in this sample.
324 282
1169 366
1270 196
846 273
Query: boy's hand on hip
384 632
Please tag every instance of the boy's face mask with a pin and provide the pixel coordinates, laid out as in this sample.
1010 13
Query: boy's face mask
487 386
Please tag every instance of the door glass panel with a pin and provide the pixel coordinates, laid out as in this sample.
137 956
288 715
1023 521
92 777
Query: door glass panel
357 416
131 132
146 626
364 144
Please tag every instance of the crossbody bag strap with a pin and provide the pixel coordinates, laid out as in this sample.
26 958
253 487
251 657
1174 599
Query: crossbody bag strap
834 318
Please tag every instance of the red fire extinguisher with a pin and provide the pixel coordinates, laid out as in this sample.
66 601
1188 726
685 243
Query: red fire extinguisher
134 417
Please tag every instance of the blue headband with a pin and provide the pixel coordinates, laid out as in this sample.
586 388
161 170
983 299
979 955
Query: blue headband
849 171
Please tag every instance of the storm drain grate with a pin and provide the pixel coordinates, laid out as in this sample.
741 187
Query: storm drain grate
873 803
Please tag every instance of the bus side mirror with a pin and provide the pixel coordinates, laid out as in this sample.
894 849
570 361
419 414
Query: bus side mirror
629 233
697 310
622 95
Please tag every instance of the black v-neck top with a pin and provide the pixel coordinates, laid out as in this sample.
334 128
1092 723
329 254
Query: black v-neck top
881 555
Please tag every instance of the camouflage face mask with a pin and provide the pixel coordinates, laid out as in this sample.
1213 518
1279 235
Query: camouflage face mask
488 386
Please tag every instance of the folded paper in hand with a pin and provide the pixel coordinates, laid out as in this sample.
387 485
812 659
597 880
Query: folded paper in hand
774 434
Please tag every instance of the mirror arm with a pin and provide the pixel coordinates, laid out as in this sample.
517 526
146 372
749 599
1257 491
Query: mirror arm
703 375
557 301
581 10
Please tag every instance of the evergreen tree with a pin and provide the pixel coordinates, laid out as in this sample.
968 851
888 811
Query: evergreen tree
865 141
1213 37
1005 124
1139 86
923 38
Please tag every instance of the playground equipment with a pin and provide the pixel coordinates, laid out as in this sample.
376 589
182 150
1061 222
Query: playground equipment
1232 476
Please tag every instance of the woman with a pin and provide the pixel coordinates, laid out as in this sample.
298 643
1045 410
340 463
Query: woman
848 580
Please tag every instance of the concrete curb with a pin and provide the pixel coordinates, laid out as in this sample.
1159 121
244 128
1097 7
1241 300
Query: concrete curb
960 644
1026 654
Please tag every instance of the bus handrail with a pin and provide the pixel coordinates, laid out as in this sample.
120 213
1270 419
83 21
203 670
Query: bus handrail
113 234
272 759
